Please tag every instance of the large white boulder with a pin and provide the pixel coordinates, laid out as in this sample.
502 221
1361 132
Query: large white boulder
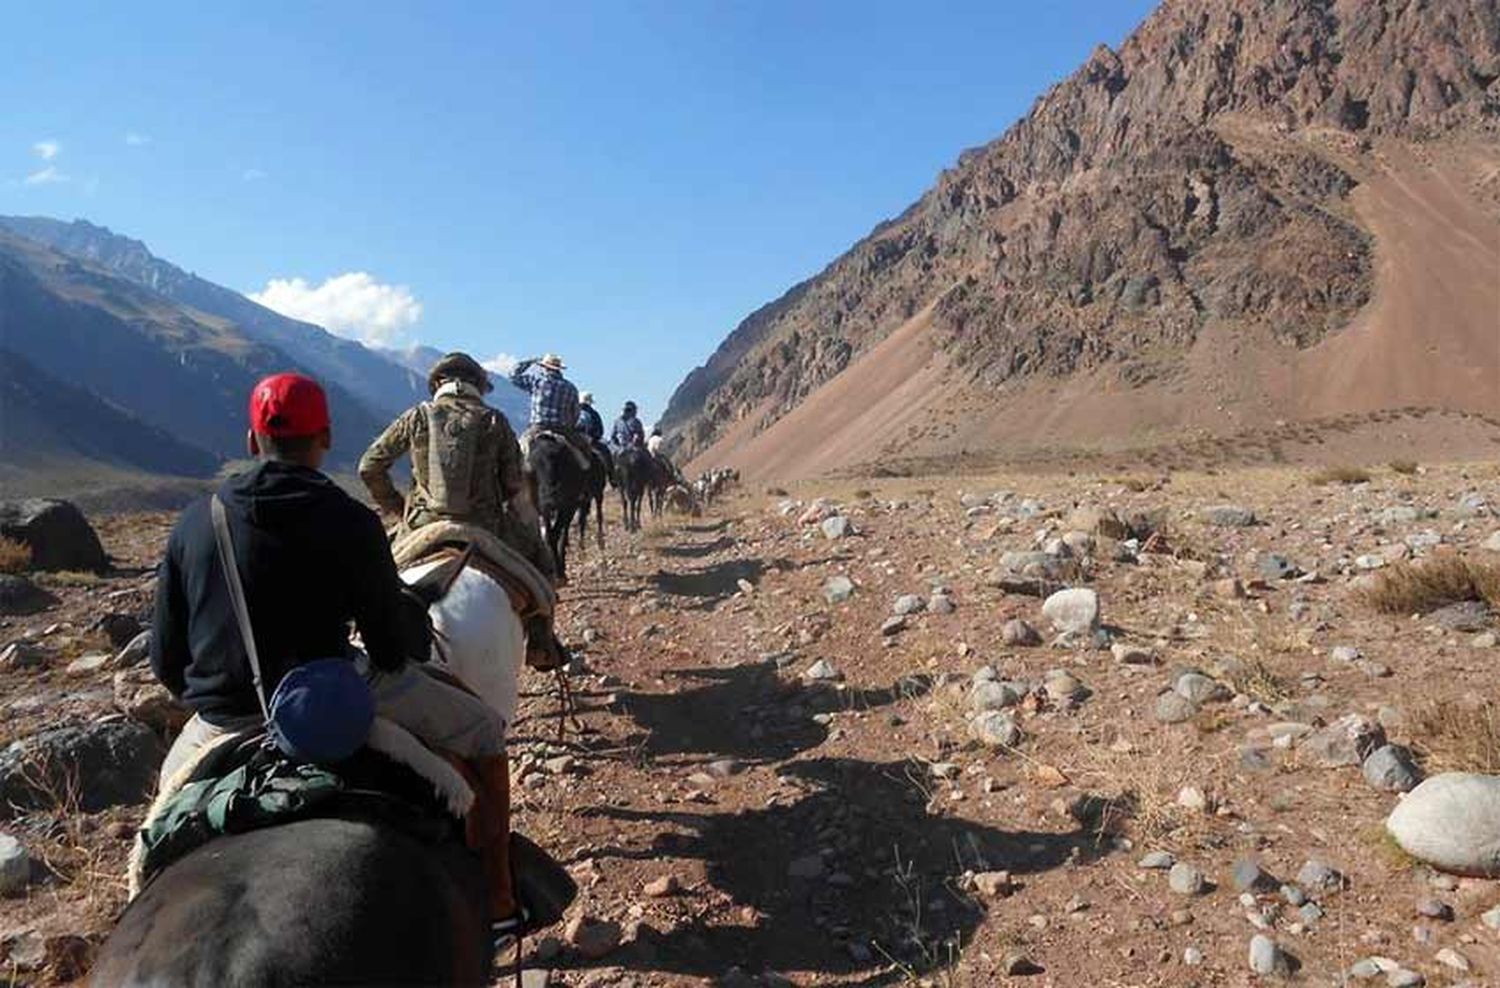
1452 822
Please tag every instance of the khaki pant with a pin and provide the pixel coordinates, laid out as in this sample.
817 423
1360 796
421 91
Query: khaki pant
441 715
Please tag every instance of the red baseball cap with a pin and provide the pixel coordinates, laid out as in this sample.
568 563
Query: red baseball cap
287 406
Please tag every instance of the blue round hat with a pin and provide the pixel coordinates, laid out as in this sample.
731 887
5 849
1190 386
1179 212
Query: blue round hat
321 711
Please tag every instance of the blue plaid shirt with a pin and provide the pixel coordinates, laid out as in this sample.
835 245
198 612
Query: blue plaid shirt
554 400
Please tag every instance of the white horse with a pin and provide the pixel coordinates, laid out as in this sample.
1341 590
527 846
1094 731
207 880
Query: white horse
479 639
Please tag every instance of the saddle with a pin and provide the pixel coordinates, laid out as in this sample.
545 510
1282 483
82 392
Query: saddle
242 783
530 592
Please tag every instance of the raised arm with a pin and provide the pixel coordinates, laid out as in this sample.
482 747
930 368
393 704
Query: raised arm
520 378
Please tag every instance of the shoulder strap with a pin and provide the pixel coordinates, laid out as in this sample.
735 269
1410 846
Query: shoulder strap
231 568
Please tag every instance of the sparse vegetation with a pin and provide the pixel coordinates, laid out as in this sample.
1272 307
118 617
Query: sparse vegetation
1404 467
15 557
1341 475
1457 735
1443 579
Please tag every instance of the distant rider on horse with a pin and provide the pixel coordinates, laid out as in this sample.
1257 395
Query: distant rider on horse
591 426
554 404
628 432
471 474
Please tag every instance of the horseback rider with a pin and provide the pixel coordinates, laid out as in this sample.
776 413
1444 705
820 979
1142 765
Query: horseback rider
628 432
653 446
554 404
471 475
591 426
310 559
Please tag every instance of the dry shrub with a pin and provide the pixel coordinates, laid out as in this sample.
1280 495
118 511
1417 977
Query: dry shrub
15 557
1257 680
1443 579
1341 475
1404 467
1457 735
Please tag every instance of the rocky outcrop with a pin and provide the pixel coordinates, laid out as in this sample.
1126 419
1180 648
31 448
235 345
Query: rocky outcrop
1195 177
56 532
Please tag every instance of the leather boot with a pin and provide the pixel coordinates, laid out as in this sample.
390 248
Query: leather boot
489 834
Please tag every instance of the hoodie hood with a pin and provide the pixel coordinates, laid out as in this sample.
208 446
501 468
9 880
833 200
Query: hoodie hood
274 494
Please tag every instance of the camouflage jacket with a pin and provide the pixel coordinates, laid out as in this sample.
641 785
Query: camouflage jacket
468 475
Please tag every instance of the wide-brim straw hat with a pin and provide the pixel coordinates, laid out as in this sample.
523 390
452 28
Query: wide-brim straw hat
552 362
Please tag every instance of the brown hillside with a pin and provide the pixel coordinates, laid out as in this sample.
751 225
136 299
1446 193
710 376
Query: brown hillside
1244 216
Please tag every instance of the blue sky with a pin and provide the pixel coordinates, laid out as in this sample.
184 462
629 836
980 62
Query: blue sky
620 182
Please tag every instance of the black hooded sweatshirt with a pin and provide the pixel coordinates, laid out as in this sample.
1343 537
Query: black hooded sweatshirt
311 559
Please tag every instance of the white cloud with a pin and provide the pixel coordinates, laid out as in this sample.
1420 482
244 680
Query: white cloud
501 363
136 140
46 176
252 175
353 305
46 150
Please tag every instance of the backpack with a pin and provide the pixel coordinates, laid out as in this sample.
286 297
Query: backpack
456 432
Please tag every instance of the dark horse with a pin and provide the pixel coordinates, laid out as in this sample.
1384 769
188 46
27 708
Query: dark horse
633 468
594 485
561 489
316 902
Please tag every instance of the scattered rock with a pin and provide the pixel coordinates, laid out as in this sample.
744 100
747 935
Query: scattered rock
996 729
1452 822
1322 877
15 865
1390 768
822 671
1174 708
593 938
120 628
136 651
23 655
1229 516
1248 876
1184 879
1268 959
59 536
991 695
941 603
1347 741
141 697
19 596
1200 689
86 664
838 589
1134 655
1019 634
893 626
1273 567
1018 965
993 884
908 603
1074 611
837 527
1468 616
1430 908
107 763
1157 861
663 887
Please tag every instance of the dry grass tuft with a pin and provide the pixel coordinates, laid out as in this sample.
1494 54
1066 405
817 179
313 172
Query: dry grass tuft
1341 475
1443 579
15 557
1457 735
1404 467
1259 681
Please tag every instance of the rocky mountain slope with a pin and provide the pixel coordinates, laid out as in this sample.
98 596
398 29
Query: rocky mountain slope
155 385
1249 212
384 385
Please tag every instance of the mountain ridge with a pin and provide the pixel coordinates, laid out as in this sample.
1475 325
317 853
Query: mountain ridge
1197 180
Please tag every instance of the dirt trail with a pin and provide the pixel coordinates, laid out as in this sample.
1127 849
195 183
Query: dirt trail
728 812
